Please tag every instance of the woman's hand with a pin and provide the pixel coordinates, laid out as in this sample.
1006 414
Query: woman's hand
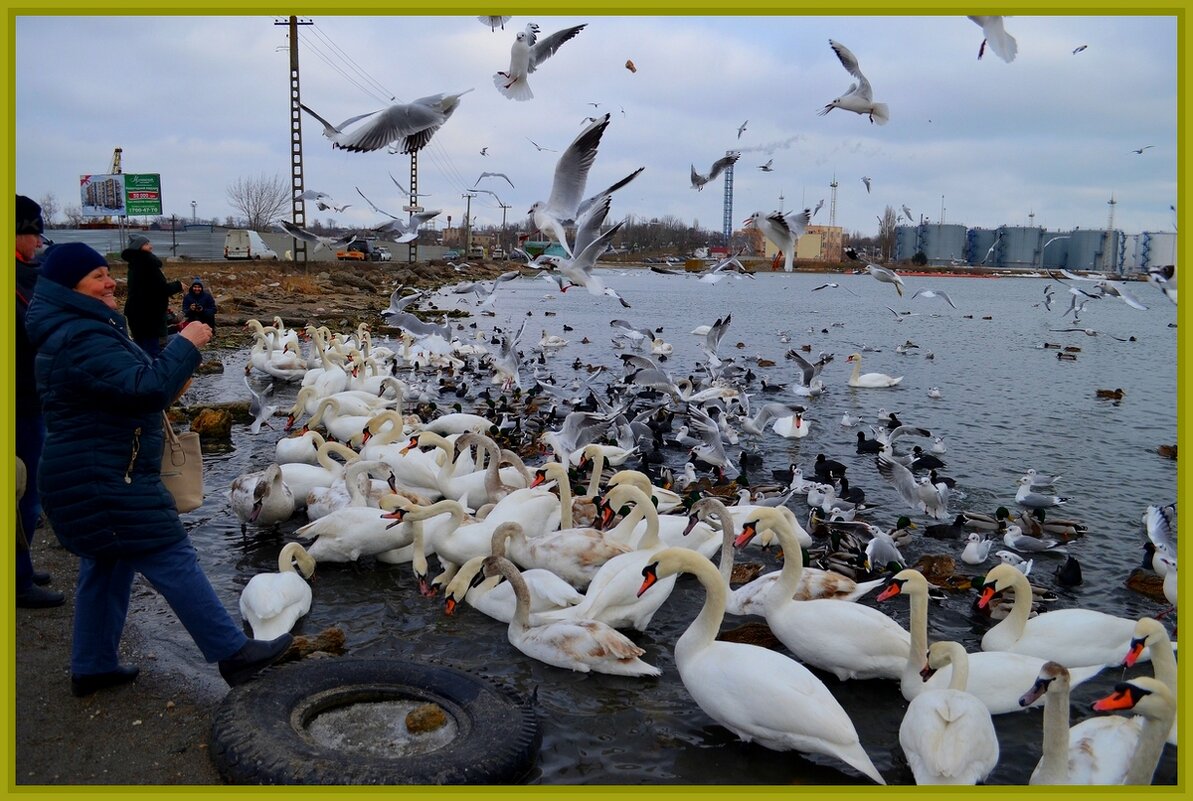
198 334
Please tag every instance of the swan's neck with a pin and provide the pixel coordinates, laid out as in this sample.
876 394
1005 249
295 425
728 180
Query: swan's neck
1163 662
857 371
419 560
521 617
917 652
1147 753
1016 621
960 677
623 532
1054 761
594 481
565 499
725 565
703 629
793 566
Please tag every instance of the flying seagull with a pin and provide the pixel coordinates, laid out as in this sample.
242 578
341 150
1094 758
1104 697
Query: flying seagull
741 129
934 293
414 123
782 229
1141 149
494 22
766 167
718 166
527 52
866 181
495 175
887 277
540 147
858 97
567 187
1077 50
1001 42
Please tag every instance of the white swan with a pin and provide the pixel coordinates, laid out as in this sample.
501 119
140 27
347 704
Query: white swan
996 678
570 507
849 640
749 598
1073 637
262 497
792 427
495 598
303 448
758 694
665 499
346 428
302 478
1101 750
947 734
612 596
363 483
573 554
872 380
1151 634
580 645
271 603
351 532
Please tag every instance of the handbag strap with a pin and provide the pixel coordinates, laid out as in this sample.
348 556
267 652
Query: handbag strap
171 435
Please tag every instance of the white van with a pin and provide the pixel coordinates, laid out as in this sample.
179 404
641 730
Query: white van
247 245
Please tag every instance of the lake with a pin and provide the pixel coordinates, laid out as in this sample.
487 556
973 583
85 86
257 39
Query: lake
1006 405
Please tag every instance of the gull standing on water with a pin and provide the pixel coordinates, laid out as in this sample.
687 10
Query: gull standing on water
526 54
858 97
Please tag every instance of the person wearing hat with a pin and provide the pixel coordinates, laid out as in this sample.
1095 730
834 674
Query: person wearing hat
30 427
199 305
148 294
101 486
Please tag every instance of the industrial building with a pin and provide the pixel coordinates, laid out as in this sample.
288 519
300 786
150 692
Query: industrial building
1029 248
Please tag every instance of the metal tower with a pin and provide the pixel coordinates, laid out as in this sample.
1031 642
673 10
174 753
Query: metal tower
832 205
727 216
1108 240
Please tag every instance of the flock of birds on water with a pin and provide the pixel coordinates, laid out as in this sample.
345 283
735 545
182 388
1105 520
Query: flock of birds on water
556 508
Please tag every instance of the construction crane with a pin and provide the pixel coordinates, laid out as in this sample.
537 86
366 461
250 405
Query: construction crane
116 161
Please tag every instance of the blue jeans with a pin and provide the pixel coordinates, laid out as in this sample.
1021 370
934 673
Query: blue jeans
102 597
30 437
151 345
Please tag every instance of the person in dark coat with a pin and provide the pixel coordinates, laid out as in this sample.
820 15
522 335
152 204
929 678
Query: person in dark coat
148 294
103 399
199 305
30 430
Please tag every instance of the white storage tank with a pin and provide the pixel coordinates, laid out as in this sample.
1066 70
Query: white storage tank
1156 249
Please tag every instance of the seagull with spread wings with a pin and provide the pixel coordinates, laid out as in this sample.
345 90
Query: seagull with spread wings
485 175
859 97
934 293
784 230
567 188
527 52
303 235
718 166
995 35
413 123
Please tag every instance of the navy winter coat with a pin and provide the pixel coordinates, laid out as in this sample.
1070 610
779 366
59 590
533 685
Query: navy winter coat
103 398
28 404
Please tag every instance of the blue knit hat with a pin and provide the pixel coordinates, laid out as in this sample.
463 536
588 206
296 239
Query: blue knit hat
69 263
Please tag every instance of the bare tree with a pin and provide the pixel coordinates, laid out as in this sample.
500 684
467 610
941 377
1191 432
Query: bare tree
74 216
260 200
886 233
49 208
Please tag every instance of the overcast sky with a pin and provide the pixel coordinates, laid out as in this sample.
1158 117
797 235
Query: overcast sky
205 101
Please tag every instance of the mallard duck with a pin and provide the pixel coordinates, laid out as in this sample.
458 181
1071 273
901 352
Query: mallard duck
1067 357
1113 394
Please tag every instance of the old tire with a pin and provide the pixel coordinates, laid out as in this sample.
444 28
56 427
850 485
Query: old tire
259 735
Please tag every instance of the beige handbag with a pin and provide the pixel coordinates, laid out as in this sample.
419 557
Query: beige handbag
182 467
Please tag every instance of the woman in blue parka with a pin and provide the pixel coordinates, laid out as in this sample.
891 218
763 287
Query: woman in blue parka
100 481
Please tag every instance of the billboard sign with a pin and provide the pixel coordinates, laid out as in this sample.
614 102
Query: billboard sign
143 193
102 195
120 194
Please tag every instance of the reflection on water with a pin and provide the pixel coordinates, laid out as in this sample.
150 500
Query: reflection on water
1006 405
